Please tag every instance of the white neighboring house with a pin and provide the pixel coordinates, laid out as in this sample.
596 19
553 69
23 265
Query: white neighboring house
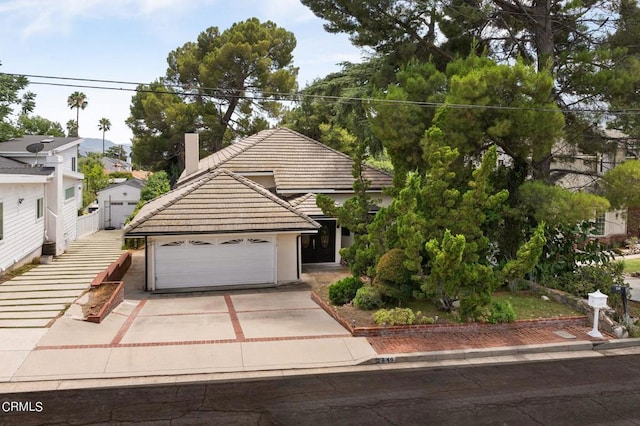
40 194
116 202
581 172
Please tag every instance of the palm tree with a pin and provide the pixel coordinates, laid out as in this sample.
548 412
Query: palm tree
72 128
77 100
104 125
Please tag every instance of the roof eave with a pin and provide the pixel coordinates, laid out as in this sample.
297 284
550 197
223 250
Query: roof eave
246 231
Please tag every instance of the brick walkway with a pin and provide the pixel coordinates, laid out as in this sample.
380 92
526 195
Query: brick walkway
490 337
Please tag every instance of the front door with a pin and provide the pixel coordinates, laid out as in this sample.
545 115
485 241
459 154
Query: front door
320 247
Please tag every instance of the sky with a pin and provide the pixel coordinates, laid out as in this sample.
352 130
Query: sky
129 40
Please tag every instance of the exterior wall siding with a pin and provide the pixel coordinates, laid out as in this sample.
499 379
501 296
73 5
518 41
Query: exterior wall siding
117 194
287 258
70 214
23 231
68 161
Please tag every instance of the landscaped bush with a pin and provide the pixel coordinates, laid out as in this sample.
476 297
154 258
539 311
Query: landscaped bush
501 312
395 316
344 291
400 316
589 278
133 243
367 297
393 280
476 307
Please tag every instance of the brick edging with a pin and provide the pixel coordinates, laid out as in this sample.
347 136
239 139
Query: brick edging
114 300
442 328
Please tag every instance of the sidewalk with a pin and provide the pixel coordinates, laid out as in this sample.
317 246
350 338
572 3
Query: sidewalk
191 337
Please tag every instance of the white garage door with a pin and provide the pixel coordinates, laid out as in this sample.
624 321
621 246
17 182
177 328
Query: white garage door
214 262
116 213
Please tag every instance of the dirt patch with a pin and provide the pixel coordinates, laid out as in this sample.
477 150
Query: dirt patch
98 297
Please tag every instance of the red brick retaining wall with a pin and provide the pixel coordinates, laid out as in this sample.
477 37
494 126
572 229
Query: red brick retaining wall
115 271
114 300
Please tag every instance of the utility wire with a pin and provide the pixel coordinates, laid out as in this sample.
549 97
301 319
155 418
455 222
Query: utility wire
257 95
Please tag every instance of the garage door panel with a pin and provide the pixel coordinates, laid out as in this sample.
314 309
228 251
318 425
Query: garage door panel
214 262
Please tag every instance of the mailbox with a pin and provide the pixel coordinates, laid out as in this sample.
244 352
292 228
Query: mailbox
597 299
619 289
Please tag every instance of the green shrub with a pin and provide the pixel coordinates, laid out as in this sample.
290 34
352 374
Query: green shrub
588 278
133 243
400 316
395 316
367 297
120 174
501 312
344 291
421 319
393 280
475 307
391 268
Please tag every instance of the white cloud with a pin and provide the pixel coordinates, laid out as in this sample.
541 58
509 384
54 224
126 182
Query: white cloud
283 11
29 18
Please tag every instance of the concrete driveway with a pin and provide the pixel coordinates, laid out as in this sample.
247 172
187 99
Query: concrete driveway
159 334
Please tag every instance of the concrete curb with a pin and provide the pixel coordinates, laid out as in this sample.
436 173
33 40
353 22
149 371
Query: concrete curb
482 352
617 344
438 359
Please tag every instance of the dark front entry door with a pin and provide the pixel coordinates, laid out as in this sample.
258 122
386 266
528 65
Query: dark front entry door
320 247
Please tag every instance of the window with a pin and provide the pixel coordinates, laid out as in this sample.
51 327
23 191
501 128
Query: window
70 192
257 241
234 241
599 226
39 208
73 164
173 244
1 222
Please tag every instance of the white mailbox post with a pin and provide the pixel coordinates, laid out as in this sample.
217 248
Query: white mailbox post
597 300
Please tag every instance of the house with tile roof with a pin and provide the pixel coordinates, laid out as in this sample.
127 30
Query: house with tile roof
246 215
40 193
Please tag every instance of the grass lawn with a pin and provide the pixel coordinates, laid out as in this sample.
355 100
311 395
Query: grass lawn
525 304
631 265
530 306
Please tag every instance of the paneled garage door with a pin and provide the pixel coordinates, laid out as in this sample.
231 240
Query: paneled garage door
214 262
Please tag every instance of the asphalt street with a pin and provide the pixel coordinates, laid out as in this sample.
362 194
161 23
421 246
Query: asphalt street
569 392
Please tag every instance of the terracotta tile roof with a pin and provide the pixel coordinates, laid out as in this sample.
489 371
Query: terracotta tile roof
307 204
297 162
218 202
140 174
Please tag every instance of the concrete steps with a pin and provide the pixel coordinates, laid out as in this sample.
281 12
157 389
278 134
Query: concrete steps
35 298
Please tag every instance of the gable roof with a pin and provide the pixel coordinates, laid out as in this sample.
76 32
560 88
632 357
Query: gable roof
18 146
307 204
219 202
299 164
135 183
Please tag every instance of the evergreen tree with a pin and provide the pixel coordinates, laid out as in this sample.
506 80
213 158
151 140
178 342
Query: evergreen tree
224 85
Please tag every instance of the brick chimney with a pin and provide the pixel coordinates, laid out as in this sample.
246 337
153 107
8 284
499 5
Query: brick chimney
191 153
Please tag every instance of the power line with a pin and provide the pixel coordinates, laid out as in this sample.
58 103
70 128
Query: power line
258 95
